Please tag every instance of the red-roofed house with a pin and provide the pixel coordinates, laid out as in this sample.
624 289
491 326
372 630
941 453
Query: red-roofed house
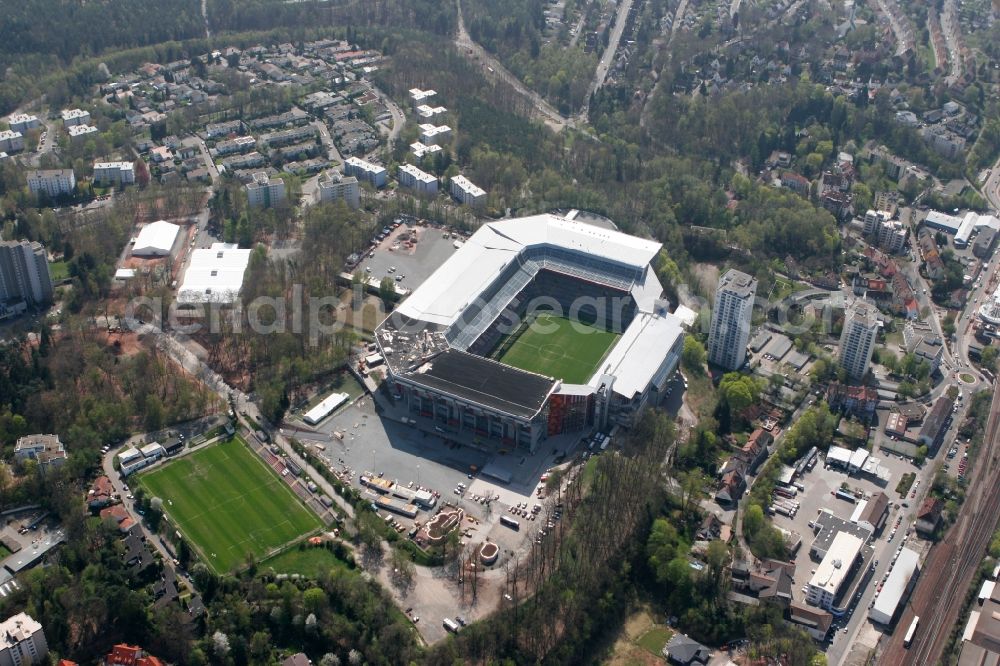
119 515
929 517
100 493
130 655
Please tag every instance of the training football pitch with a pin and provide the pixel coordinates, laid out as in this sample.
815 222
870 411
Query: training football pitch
558 347
229 504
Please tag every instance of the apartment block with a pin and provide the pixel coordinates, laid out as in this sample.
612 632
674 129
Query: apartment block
53 182
264 191
46 450
340 187
730 328
366 171
114 173
415 179
11 141
434 135
857 340
22 122
79 132
24 272
216 130
71 117
420 97
466 192
22 641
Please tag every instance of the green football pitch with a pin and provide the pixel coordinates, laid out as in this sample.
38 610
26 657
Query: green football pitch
229 504
557 347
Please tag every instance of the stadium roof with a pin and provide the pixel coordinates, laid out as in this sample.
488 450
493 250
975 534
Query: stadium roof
442 298
837 563
649 336
487 383
214 275
156 239
895 586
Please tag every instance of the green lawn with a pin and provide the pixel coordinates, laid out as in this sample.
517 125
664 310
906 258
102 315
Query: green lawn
3 551
229 504
558 347
309 562
654 639
59 270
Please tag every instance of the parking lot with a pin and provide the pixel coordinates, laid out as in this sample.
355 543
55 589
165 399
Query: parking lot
820 485
412 265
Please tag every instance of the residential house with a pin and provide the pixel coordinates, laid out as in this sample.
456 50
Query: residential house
46 450
796 183
929 517
857 401
731 488
683 651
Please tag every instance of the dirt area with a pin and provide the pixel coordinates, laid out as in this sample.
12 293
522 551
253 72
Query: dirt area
626 651
121 344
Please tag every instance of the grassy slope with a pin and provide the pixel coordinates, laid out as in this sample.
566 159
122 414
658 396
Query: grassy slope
228 503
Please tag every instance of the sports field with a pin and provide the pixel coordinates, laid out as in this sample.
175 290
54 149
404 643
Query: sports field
229 504
558 347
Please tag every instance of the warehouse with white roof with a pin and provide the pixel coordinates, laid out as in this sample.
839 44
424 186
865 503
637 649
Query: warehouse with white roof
437 344
896 588
214 275
156 239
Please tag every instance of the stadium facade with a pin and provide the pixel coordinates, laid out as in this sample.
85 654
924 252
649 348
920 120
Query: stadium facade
437 344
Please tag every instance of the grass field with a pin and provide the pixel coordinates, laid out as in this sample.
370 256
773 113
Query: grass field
309 562
229 504
558 347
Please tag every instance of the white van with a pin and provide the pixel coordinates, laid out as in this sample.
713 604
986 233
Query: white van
450 625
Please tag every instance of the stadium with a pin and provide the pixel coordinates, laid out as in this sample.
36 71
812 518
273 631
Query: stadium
534 327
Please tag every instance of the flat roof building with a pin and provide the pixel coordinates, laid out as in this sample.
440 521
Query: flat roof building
72 117
824 586
896 588
414 178
730 327
365 171
265 191
857 340
420 97
52 182
434 135
24 273
44 449
156 239
22 122
114 173
79 132
22 641
466 192
933 429
11 141
340 187
214 275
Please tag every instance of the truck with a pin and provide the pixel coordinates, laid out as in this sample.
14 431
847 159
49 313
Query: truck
845 495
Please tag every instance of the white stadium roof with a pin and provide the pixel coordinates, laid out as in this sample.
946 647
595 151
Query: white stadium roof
214 275
442 298
156 239
649 336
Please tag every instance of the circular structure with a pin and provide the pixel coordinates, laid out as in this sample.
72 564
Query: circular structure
967 378
488 553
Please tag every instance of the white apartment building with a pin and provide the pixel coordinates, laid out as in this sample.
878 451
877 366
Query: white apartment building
419 149
114 173
825 584
730 329
215 130
43 449
24 272
52 182
466 192
264 191
892 236
11 141
874 219
340 187
857 340
78 132
22 122
416 179
434 134
72 117
427 112
241 144
420 97
22 641
366 171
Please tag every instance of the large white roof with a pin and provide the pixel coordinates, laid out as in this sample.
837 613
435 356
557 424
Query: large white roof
214 275
457 282
895 586
832 571
632 361
156 238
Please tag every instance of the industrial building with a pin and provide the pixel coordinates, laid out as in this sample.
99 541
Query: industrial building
824 587
896 589
156 239
214 275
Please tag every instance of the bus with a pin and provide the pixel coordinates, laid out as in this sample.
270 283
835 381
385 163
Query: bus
510 522
908 639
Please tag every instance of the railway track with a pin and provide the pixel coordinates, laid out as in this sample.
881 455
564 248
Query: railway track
949 570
